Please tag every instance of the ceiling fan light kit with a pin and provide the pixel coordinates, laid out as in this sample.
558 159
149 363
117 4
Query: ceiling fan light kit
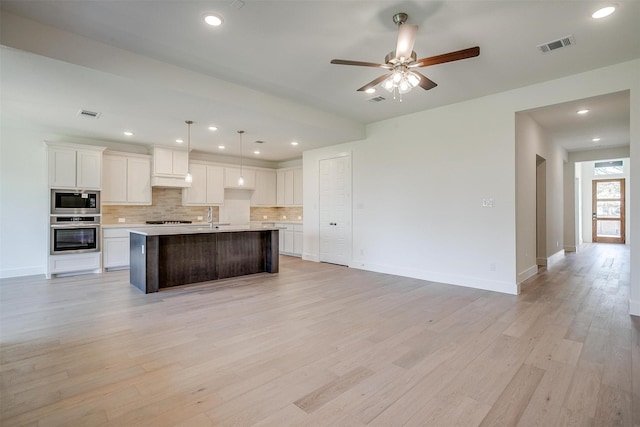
402 62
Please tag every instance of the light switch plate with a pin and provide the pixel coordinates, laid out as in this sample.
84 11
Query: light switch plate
487 203
121 219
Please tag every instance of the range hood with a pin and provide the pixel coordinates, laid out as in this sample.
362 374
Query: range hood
169 182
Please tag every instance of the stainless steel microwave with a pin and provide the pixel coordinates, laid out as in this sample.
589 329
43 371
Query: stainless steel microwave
75 202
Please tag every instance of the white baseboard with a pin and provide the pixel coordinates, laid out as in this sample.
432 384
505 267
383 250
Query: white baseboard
526 274
310 257
542 262
555 258
456 280
634 307
20 272
571 249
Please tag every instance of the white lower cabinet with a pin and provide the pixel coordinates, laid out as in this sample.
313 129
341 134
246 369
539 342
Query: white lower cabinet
115 248
290 239
74 263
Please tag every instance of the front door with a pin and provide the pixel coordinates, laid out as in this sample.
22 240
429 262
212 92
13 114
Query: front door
608 211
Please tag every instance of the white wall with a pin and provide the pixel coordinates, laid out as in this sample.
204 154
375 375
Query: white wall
24 201
414 212
454 156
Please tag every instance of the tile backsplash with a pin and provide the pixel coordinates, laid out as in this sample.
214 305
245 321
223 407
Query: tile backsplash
167 205
276 214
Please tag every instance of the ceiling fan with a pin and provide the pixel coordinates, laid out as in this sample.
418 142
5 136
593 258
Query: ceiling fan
402 62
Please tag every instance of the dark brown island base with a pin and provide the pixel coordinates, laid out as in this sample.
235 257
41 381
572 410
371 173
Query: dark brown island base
162 257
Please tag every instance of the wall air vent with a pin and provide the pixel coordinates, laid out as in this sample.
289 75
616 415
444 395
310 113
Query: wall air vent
258 142
377 99
556 44
87 113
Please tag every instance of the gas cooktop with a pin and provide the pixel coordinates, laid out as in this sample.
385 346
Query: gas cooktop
169 222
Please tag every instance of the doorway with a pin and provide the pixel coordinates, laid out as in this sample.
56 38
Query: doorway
608 211
335 210
541 211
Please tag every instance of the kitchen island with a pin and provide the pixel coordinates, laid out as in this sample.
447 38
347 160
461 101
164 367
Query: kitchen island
162 257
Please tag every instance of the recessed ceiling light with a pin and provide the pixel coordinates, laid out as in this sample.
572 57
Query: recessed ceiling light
605 11
256 152
583 111
596 139
294 143
221 147
128 133
371 90
213 128
179 141
213 19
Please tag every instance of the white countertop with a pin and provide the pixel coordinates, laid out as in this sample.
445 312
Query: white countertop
163 230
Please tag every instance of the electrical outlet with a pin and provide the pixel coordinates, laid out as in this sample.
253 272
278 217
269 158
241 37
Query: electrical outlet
299 218
121 220
199 218
264 217
284 217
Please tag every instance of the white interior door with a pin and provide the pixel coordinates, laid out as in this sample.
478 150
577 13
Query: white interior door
335 210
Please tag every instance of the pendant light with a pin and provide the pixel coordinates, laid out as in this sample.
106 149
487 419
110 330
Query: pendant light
241 179
188 177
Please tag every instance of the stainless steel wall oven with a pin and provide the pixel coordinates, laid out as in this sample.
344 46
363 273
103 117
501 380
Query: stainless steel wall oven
75 234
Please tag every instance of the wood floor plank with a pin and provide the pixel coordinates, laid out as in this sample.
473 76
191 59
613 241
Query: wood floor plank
546 403
324 394
319 344
514 399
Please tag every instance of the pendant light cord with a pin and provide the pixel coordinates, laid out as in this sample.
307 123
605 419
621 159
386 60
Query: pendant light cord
241 163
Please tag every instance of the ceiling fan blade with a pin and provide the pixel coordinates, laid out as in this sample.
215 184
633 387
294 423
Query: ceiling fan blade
406 39
447 57
425 83
372 83
359 63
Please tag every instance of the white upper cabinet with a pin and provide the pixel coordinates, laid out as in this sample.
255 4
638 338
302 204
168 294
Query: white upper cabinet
207 187
114 189
170 162
265 193
289 187
75 166
126 179
232 175
297 187
139 180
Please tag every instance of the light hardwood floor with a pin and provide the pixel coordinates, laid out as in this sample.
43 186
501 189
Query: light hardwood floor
319 344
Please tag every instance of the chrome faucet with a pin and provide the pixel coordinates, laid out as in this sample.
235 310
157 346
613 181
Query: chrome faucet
210 215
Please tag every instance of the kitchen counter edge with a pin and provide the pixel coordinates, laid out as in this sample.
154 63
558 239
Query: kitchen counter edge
178 230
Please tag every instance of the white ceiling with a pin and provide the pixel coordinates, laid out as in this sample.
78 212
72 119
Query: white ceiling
148 66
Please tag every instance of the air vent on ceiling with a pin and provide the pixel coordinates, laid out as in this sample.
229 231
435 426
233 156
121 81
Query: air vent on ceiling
87 113
557 44
377 99
259 142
